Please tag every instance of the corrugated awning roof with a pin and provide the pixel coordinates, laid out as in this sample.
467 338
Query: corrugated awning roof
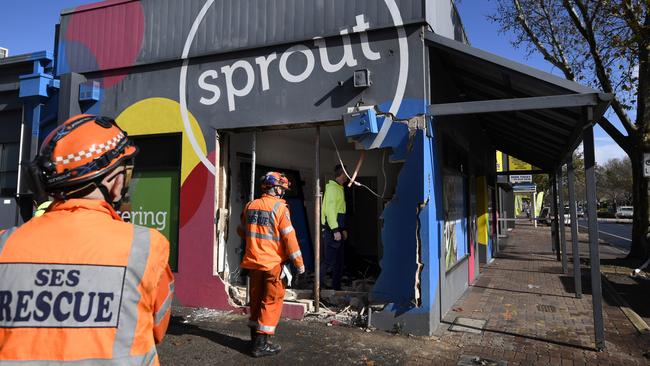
530 114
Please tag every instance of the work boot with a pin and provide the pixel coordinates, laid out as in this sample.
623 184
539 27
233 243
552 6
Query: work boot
262 347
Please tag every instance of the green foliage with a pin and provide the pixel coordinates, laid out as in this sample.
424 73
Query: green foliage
614 181
606 44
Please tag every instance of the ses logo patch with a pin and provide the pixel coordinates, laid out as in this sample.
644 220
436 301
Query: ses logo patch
60 296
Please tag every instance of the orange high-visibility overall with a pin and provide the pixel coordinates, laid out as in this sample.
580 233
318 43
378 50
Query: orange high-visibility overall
270 241
79 284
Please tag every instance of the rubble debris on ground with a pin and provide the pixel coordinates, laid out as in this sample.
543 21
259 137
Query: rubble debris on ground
203 314
340 317
353 292
348 316
467 360
346 307
237 295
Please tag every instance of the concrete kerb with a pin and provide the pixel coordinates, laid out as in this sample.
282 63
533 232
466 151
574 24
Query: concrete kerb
615 221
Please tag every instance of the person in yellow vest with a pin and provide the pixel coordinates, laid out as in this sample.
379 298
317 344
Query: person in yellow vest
79 285
334 231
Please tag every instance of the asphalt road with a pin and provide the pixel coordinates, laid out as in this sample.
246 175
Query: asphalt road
618 235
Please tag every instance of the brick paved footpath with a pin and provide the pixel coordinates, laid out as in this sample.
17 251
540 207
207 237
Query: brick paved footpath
532 318
532 314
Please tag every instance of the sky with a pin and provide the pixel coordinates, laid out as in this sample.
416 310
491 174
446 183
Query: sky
28 26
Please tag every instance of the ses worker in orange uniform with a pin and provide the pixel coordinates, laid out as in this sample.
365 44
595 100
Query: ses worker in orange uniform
270 241
77 284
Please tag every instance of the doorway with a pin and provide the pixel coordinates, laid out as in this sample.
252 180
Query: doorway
292 151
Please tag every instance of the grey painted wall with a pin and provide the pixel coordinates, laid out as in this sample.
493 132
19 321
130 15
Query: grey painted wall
454 283
234 91
223 26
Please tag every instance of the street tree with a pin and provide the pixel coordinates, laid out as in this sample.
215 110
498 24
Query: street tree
606 44
614 181
543 184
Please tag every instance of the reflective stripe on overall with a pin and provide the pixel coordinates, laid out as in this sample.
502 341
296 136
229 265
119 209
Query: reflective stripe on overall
261 218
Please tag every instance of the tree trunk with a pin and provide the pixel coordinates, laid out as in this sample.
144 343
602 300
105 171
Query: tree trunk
641 142
640 198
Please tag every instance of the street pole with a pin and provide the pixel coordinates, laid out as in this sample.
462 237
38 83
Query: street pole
317 221
577 277
594 255
560 193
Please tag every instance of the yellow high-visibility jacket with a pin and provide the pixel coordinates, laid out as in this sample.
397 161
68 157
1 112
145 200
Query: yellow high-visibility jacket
333 211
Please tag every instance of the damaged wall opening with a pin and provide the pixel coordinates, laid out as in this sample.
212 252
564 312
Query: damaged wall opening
292 151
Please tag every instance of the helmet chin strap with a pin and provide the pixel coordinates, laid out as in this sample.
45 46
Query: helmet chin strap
107 196
279 191
126 172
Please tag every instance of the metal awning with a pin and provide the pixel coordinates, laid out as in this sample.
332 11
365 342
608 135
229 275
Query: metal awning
537 117
530 114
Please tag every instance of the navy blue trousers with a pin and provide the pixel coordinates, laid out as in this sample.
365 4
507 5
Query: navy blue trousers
333 259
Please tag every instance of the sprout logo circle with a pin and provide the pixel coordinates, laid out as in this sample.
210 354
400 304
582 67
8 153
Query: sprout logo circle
394 107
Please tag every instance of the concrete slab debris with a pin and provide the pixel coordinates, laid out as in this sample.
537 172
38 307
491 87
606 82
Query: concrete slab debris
466 360
468 325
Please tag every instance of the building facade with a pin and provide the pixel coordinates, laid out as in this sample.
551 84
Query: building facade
211 90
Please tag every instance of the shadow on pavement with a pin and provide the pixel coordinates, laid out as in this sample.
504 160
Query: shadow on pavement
521 257
520 291
526 336
550 270
634 290
177 327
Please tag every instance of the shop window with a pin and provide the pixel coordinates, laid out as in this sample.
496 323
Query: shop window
8 168
155 189
455 203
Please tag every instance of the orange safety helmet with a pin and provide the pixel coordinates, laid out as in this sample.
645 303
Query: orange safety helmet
78 154
274 179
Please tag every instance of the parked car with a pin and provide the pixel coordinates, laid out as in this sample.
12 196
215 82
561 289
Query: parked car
624 212
567 215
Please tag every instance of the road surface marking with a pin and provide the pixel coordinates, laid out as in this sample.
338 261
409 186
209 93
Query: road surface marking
610 244
605 232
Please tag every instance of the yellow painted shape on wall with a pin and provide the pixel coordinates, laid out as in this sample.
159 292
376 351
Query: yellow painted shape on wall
499 161
516 164
482 215
539 200
161 115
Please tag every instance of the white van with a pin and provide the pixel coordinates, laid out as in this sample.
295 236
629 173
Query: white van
625 212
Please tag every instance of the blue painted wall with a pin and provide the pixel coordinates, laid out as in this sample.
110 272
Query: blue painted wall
431 227
396 282
412 215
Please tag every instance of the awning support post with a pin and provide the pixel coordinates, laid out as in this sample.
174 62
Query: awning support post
251 197
561 224
577 276
554 220
534 208
594 255
317 220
